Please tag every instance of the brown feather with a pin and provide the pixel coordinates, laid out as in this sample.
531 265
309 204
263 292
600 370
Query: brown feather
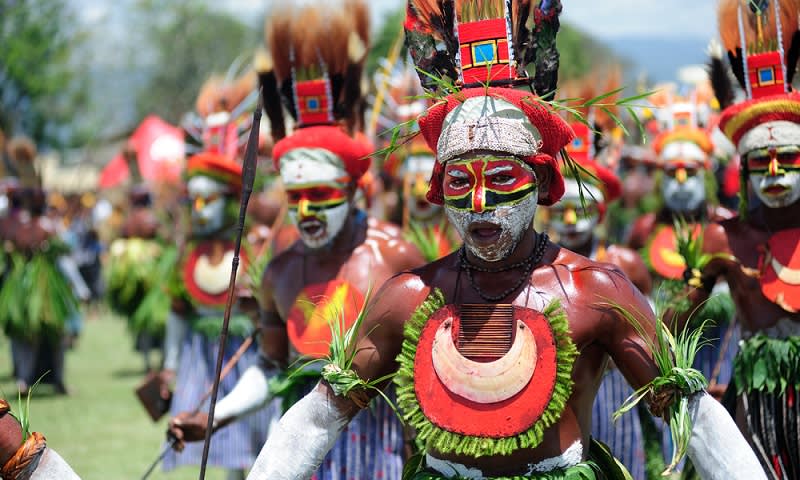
427 11
22 150
360 14
789 20
278 35
209 96
728 24
234 93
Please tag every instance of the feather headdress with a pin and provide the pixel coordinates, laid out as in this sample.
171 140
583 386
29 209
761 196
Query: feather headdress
317 58
318 54
489 42
22 153
476 51
221 122
763 43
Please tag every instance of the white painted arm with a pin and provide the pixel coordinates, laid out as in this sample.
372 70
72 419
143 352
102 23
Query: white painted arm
69 268
177 327
53 467
717 447
250 394
298 444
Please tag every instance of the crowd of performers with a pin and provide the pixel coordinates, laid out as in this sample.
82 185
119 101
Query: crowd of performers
404 309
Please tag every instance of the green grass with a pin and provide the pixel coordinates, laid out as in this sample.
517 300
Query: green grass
100 428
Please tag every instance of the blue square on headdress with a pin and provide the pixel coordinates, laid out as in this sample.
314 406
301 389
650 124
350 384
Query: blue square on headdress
312 104
577 143
766 75
484 53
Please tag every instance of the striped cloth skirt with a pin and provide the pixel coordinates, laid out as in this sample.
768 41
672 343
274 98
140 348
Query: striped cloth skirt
235 446
623 437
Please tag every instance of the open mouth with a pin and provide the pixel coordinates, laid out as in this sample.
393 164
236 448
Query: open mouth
312 228
484 233
775 190
422 205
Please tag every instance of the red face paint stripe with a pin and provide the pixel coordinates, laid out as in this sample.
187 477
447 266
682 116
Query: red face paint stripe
478 195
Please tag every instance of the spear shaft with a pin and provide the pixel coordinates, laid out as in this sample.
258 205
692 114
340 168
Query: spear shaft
248 179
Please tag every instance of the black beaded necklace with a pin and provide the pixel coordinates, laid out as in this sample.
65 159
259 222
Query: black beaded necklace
527 264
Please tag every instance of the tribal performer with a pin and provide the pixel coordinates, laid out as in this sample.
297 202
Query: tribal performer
576 222
409 167
758 251
25 455
139 263
687 189
499 347
200 286
41 287
342 254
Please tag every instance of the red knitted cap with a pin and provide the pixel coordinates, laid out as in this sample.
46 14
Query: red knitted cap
354 152
555 134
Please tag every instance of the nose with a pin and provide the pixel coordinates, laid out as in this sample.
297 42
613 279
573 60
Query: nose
420 186
199 204
681 176
478 200
302 208
774 166
570 217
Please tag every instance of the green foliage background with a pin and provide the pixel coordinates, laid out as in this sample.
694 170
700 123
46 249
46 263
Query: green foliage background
42 77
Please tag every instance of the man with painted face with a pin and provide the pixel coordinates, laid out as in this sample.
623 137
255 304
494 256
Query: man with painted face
422 221
199 290
583 207
683 157
757 252
575 220
342 253
408 168
199 286
498 348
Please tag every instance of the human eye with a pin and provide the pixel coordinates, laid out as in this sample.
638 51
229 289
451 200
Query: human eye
503 179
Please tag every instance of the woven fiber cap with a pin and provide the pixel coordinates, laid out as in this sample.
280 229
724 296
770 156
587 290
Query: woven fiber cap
501 120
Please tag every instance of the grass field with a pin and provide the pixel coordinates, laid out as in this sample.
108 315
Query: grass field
100 428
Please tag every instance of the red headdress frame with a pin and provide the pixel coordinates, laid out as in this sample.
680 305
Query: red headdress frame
555 134
218 167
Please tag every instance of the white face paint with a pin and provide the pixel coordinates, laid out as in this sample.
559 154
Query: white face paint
683 189
575 222
208 205
512 221
491 203
317 189
772 150
417 172
320 230
777 191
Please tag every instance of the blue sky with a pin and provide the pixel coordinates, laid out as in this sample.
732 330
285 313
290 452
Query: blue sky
604 18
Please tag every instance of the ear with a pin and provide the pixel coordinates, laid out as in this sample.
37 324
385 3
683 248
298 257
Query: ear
544 175
352 187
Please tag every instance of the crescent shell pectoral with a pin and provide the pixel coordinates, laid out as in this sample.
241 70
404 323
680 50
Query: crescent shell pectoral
672 258
787 275
485 382
213 279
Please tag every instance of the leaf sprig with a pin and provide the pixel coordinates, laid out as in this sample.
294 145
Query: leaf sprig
338 364
673 354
